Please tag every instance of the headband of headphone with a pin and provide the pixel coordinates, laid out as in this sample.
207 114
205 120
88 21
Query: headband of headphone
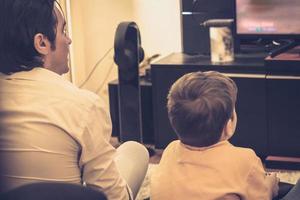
127 45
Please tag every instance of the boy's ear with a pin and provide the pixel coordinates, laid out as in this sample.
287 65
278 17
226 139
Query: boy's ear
42 44
229 128
227 131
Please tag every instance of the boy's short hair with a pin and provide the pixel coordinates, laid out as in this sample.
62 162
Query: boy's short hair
200 105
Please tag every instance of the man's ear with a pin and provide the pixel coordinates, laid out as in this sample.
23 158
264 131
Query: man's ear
42 44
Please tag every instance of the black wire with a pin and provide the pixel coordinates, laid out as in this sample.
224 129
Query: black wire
95 67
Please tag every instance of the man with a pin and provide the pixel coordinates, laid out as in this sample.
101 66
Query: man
49 129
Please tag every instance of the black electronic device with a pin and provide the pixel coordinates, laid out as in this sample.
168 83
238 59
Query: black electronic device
195 38
269 20
146 105
290 45
128 55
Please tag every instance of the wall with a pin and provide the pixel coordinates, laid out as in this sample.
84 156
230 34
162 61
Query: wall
159 22
93 27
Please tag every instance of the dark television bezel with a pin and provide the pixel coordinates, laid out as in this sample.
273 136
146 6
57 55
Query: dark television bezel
261 36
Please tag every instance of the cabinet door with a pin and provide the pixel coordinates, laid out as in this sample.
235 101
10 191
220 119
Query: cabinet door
251 130
162 80
283 103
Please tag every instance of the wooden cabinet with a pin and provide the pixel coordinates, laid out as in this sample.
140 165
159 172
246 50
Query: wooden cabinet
283 105
268 102
251 128
247 71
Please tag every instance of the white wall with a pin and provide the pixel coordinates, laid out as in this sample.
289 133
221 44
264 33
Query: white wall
159 22
93 27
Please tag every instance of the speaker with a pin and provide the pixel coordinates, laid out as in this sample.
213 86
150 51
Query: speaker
128 55
146 105
195 38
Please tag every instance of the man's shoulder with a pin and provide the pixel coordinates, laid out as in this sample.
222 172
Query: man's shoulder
87 95
83 98
68 91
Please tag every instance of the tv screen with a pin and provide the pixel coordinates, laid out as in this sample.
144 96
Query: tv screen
268 18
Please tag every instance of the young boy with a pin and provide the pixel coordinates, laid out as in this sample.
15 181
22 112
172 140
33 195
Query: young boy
202 164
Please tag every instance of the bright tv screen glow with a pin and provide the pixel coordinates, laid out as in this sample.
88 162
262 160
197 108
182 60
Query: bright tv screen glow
268 18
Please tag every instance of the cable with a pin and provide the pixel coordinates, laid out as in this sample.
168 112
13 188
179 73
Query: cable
194 6
95 67
106 77
147 61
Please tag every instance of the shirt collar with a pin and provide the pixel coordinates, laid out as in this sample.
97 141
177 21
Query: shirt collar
36 74
193 148
192 155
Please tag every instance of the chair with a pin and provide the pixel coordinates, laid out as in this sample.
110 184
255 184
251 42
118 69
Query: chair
53 191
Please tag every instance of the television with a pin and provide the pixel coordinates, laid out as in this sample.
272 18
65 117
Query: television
277 20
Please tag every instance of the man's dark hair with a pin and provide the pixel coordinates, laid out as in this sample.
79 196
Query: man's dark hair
199 106
20 21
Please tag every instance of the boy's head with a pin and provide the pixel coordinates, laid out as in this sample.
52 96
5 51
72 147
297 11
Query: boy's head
201 108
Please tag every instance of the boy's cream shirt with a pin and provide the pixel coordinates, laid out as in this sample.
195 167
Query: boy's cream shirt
220 171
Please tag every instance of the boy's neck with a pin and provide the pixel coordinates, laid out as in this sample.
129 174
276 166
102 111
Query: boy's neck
195 148
224 137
